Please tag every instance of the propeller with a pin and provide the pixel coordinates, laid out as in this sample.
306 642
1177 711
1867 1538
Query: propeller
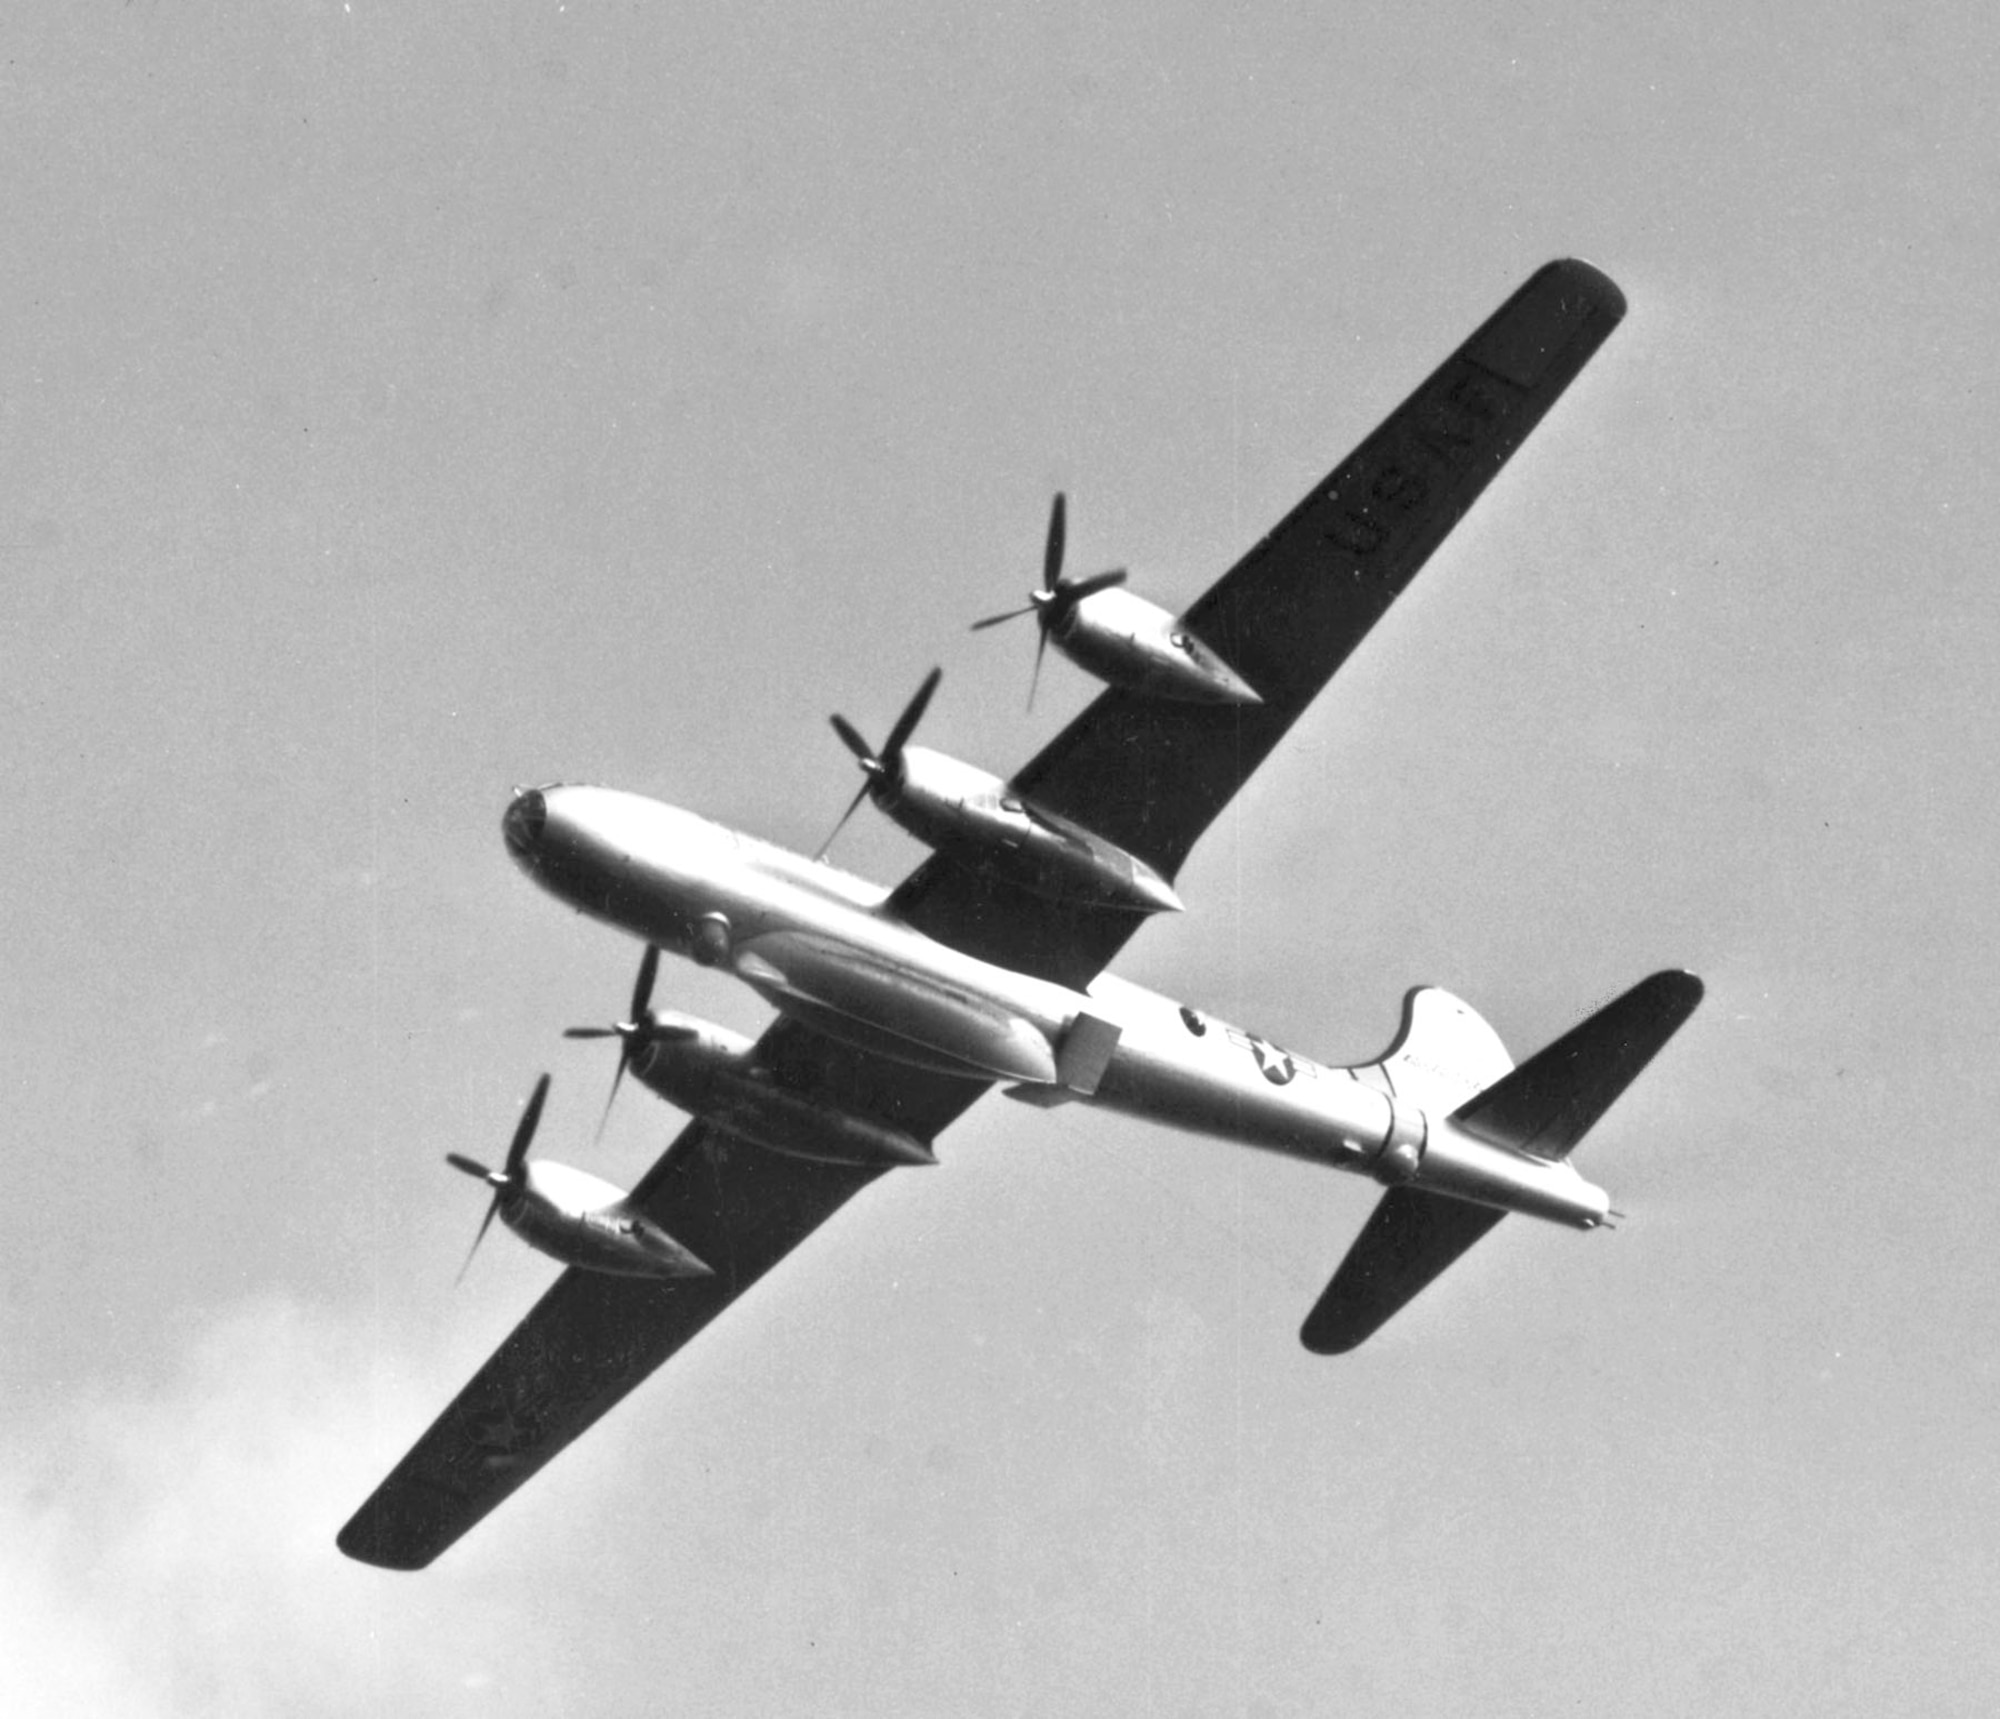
1057 597
507 1183
638 1028
881 770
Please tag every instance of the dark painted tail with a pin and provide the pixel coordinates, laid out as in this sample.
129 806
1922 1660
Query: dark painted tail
1550 1102
1543 1108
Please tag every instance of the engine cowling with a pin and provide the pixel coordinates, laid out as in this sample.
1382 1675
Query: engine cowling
712 1073
980 821
1127 641
583 1221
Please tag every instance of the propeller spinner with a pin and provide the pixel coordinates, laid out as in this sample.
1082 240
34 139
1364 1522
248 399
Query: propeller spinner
882 772
507 1184
1057 599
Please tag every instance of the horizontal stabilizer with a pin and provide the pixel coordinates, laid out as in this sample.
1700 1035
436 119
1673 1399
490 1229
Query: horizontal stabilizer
1550 1102
1412 1236
1543 1108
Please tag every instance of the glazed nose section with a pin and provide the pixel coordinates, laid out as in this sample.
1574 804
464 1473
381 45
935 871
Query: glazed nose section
523 822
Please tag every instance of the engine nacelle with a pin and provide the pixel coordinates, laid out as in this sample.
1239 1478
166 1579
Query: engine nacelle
711 1072
576 1218
980 821
1127 641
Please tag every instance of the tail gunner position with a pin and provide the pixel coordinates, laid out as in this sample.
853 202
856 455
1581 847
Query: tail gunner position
897 1009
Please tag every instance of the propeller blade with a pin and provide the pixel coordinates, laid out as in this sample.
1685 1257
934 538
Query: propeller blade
649 1032
913 713
1035 680
639 1028
844 816
853 741
1052 554
1073 594
617 1075
886 765
642 989
471 1166
995 620
525 1132
485 1224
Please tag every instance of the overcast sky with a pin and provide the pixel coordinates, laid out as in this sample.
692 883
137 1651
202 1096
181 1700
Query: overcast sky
399 408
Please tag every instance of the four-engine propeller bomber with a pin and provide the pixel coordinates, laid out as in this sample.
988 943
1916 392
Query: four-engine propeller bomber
898 1009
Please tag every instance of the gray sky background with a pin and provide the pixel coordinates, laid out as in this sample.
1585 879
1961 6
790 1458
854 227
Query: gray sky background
398 408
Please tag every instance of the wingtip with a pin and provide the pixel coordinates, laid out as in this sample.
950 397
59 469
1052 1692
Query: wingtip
363 1541
1329 1343
1673 993
1608 295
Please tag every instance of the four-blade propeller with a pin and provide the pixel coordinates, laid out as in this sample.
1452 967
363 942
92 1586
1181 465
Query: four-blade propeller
507 1184
1053 603
640 1027
882 772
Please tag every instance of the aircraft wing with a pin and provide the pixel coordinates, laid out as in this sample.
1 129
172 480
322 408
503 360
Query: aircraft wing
1147 774
592 1338
1151 774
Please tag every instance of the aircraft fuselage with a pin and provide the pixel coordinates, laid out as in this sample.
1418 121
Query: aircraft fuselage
822 945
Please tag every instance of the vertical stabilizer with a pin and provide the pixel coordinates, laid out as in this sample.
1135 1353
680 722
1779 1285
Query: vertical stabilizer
1444 1053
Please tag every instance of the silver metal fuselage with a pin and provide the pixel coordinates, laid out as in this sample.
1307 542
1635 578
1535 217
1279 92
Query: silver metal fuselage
822 945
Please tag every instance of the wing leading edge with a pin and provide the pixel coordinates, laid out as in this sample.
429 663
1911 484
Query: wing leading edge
1150 775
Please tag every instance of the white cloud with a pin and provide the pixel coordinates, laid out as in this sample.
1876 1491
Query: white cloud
168 1549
